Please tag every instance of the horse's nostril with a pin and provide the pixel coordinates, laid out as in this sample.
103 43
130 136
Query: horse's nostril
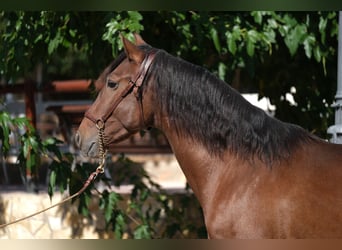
78 139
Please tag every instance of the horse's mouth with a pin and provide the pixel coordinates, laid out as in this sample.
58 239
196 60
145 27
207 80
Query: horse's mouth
92 150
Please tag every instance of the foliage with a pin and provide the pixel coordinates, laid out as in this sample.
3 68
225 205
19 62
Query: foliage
32 148
125 24
267 52
272 53
65 40
30 143
148 206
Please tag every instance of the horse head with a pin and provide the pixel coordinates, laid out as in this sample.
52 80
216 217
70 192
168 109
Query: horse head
123 106
235 157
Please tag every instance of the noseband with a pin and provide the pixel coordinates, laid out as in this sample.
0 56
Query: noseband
134 85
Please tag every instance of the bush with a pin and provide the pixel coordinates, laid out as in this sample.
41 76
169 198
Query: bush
147 212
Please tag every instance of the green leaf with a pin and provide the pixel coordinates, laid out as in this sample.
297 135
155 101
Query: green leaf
294 37
250 47
21 122
222 69
84 204
5 120
272 23
134 15
49 141
317 53
110 204
142 232
231 43
55 42
236 33
119 225
26 147
50 145
52 183
31 161
269 36
257 16
253 35
215 38
324 65
289 20
34 143
144 194
322 27
308 44
38 38
72 33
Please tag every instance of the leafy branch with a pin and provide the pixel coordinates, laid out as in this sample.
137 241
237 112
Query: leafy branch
146 207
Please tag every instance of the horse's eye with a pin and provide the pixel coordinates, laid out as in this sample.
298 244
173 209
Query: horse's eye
112 84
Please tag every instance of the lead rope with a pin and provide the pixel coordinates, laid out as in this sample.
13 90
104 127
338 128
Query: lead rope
102 153
91 178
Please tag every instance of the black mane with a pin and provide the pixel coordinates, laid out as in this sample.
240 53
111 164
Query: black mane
208 110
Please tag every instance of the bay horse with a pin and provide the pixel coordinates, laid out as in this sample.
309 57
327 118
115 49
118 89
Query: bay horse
254 176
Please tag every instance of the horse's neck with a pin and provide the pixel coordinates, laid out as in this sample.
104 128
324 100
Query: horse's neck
199 167
205 172
194 161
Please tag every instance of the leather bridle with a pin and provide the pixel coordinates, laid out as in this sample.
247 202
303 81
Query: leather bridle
134 86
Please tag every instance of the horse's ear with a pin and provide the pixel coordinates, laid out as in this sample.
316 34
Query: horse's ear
132 51
139 40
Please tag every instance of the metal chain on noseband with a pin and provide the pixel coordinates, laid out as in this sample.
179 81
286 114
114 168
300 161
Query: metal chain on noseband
100 140
134 85
100 124
91 178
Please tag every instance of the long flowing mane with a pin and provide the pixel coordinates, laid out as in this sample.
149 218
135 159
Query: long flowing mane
252 159
208 110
